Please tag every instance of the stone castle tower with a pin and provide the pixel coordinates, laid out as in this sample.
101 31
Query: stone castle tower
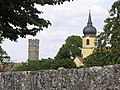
33 49
89 38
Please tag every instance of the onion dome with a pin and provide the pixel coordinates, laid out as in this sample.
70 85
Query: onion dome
89 30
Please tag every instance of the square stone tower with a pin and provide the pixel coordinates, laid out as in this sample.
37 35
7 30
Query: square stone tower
33 49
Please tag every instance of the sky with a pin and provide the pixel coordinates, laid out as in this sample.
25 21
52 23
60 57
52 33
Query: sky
67 19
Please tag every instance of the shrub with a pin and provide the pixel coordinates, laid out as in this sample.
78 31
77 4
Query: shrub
46 64
101 58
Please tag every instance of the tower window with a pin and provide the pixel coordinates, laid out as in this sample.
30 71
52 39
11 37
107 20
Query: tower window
87 42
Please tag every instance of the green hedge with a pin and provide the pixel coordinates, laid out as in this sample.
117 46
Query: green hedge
46 64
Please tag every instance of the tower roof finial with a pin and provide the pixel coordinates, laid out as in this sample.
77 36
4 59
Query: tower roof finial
89 30
89 19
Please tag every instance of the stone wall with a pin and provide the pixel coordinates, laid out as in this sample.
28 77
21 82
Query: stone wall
95 78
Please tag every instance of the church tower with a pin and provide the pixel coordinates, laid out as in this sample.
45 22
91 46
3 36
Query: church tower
33 49
89 38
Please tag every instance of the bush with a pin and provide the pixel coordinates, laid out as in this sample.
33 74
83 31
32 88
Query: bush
101 58
46 64
66 63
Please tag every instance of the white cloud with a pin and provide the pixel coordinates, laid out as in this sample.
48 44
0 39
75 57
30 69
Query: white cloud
67 19
47 38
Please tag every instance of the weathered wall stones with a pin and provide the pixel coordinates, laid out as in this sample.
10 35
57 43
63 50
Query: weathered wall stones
94 78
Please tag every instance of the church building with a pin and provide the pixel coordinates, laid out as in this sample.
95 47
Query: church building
88 42
89 38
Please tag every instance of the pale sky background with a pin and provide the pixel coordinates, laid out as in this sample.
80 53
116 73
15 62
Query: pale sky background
67 19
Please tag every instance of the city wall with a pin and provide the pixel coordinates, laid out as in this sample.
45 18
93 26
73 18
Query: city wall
94 78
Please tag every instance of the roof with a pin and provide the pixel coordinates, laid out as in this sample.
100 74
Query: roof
89 30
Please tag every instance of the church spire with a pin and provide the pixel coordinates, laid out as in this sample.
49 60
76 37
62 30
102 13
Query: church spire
89 30
89 19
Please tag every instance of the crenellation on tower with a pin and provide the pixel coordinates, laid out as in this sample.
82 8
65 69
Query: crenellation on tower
33 49
34 42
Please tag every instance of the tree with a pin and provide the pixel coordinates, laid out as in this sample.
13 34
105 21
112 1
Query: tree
5 62
111 36
17 15
101 58
71 48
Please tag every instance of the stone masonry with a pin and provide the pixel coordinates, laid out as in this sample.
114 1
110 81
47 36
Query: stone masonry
94 78
33 49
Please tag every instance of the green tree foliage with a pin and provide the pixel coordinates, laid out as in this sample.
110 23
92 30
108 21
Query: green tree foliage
5 62
71 48
111 36
46 64
17 15
66 63
101 58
